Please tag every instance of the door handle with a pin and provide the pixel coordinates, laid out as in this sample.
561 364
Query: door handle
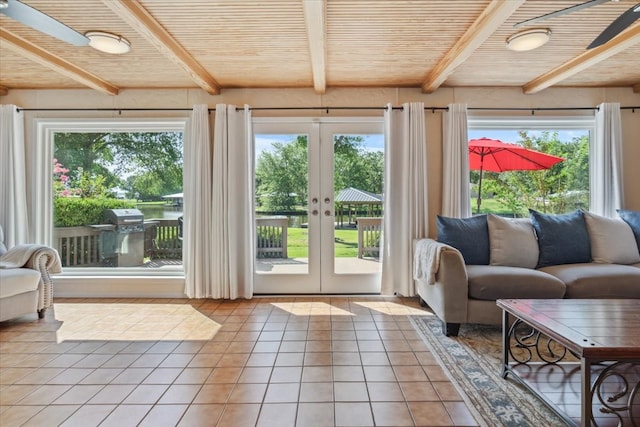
314 200
327 213
314 212
327 200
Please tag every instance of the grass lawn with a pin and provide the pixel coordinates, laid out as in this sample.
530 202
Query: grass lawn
298 243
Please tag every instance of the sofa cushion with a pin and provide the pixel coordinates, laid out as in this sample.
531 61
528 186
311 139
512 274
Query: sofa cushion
611 240
488 282
562 239
598 280
512 242
16 281
468 235
633 219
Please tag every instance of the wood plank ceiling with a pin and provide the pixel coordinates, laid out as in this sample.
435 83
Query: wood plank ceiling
320 44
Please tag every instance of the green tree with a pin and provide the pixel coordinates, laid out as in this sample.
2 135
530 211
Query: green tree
563 187
281 172
113 156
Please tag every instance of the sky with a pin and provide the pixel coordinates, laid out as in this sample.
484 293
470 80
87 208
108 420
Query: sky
376 142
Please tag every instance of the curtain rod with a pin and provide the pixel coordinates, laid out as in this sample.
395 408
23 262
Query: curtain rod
433 109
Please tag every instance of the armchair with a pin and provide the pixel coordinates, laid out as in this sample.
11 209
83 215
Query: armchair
25 281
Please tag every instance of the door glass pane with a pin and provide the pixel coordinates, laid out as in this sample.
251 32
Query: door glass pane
282 233
357 183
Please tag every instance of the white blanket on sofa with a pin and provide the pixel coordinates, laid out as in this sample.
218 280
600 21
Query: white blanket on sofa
31 255
426 260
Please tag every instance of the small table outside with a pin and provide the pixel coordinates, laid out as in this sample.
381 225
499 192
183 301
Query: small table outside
581 357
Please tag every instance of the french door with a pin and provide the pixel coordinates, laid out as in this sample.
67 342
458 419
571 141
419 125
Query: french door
318 205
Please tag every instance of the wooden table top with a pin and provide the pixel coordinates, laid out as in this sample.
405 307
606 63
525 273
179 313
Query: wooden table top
604 329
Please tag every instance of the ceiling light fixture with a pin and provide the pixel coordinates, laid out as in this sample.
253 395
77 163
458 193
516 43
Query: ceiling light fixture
108 42
528 39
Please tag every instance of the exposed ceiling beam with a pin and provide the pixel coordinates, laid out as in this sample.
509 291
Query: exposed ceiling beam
315 18
584 60
61 66
146 25
4 90
636 87
484 26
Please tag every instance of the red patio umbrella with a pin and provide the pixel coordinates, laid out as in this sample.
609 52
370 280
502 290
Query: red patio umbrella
493 155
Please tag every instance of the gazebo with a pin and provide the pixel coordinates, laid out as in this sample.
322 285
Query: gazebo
352 198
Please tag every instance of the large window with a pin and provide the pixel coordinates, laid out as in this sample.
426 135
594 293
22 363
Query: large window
559 188
117 196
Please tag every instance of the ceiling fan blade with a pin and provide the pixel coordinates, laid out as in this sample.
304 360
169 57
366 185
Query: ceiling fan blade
44 23
617 26
560 12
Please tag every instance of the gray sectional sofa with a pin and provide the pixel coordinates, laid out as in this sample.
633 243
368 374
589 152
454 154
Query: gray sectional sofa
477 260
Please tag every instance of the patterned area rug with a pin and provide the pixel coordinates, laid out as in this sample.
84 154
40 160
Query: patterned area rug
473 362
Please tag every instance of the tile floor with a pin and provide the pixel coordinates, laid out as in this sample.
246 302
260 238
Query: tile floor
286 361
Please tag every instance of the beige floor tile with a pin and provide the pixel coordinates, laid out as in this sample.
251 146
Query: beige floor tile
201 415
78 395
316 392
17 415
277 415
248 393
163 415
419 391
146 394
239 415
460 414
162 376
52 415
282 393
88 415
44 395
430 414
194 376
286 374
385 392
180 394
348 373
315 414
353 414
213 393
391 414
126 415
224 375
350 392
112 394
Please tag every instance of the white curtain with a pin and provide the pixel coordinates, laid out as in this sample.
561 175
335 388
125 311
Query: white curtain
455 163
606 162
232 251
198 234
405 195
13 189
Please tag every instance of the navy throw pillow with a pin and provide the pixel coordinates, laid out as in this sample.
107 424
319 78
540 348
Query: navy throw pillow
633 219
562 239
468 235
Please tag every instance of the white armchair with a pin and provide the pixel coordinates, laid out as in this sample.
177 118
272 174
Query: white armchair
25 281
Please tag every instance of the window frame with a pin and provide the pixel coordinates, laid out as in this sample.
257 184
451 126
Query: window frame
42 199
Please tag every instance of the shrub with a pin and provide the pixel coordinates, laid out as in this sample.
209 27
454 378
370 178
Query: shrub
74 211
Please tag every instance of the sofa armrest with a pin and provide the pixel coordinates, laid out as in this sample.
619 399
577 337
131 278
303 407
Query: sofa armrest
43 259
448 293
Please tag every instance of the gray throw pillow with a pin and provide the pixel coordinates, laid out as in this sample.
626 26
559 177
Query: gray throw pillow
513 242
468 235
611 240
562 238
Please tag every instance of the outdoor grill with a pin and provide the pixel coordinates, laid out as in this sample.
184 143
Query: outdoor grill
123 246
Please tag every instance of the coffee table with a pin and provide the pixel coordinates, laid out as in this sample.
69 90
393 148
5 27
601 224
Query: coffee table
581 357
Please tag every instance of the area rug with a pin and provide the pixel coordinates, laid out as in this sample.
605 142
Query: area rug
472 360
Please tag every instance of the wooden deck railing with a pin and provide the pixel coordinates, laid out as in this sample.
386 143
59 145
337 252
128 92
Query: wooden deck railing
271 237
78 246
369 233
82 246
